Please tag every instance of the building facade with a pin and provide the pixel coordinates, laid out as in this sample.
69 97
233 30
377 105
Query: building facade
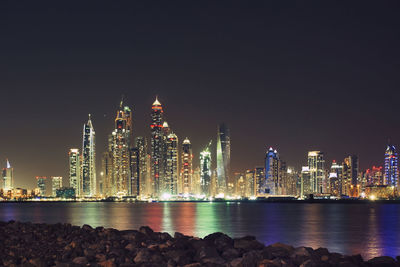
391 175
156 146
224 181
187 167
316 167
56 183
7 177
75 170
88 173
205 171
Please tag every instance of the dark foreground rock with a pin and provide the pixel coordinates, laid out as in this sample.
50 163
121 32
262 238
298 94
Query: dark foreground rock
64 245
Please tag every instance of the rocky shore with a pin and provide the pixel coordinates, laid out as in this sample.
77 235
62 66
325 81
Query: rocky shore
65 245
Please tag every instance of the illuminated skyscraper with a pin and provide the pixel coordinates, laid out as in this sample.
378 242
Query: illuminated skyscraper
156 146
205 171
134 184
374 176
56 183
171 166
121 143
141 145
41 184
391 176
306 187
164 175
316 168
259 179
88 160
350 175
7 177
223 159
74 170
187 166
335 179
240 184
107 170
250 186
272 174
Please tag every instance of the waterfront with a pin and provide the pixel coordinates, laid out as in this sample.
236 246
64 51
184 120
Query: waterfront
369 229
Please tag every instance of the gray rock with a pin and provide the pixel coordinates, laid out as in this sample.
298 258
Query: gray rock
143 255
80 260
384 261
146 230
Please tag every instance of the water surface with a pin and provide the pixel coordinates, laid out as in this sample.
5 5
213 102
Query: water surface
367 229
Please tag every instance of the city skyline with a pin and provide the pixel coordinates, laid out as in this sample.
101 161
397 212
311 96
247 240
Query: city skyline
311 76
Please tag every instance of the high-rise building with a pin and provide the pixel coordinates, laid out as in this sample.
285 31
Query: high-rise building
272 173
56 183
316 168
141 146
107 172
250 185
156 146
240 184
88 175
350 176
259 179
164 176
306 185
223 159
391 175
74 170
335 178
41 185
374 176
196 182
134 183
171 166
121 144
7 177
290 181
187 167
205 171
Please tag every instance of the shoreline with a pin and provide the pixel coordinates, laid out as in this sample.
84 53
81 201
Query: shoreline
64 245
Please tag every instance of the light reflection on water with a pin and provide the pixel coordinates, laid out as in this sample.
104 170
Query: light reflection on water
369 229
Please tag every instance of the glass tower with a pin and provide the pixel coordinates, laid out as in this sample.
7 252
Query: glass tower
187 166
205 171
223 159
316 168
74 170
88 160
8 177
156 146
171 167
272 175
391 175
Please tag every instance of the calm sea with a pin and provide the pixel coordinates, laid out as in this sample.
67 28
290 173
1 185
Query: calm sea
367 229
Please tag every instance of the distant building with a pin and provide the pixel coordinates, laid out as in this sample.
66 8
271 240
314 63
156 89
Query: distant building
41 185
374 176
240 184
88 175
7 177
156 146
391 175
205 171
171 166
335 179
350 175
316 167
250 185
65 192
259 179
56 183
141 146
74 170
134 183
187 167
223 160
306 185
272 173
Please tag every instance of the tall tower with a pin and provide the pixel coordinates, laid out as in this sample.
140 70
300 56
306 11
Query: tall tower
171 167
156 146
88 160
134 185
350 174
56 183
316 168
8 177
121 140
223 159
272 173
187 167
74 170
205 171
141 146
391 175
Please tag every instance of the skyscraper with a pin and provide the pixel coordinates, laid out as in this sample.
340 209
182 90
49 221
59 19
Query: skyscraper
259 180
306 186
205 171
316 168
41 184
141 145
121 144
223 159
134 184
350 175
171 166
250 186
156 146
391 175
74 170
88 160
164 176
56 183
335 179
187 166
272 173
7 177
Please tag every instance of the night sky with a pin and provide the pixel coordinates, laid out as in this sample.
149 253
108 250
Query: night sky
295 75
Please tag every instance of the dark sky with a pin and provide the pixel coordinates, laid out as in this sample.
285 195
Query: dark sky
295 75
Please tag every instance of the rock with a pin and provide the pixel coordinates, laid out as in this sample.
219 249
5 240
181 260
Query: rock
215 261
219 240
87 227
193 265
230 254
80 260
130 247
251 258
146 230
238 262
207 252
107 263
181 257
247 243
38 262
270 263
384 261
143 255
